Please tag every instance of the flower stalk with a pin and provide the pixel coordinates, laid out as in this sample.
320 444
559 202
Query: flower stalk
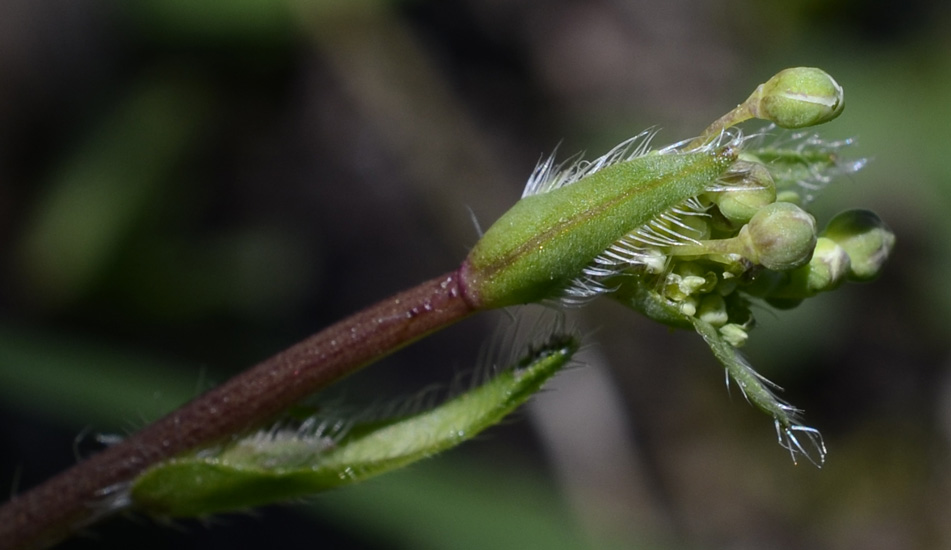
97 487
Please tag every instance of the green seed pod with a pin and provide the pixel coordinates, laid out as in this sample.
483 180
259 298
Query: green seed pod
798 98
781 236
865 238
545 241
747 188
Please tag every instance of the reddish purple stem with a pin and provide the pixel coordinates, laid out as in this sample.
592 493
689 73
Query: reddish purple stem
74 498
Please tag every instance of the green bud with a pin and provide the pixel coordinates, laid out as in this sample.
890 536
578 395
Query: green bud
734 334
712 310
828 267
781 236
798 98
865 238
689 279
792 98
747 188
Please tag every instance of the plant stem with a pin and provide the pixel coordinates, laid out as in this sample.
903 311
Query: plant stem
88 491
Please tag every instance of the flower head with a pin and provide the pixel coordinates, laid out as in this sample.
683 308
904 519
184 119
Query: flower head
693 233
742 248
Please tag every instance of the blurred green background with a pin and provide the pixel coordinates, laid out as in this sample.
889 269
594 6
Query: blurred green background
188 187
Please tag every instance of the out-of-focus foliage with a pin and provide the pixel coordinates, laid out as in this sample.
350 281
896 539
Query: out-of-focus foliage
185 190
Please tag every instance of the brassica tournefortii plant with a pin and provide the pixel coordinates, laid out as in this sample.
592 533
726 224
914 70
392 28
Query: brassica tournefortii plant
694 235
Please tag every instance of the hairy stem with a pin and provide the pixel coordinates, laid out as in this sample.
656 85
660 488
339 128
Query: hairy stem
80 495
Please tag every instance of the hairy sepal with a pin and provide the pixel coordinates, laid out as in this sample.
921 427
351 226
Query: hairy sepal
545 241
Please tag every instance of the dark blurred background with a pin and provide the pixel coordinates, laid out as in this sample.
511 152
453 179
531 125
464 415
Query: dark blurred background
188 187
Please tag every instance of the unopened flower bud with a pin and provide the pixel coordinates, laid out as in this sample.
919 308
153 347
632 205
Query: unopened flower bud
865 238
734 334
689 279
747 188
712 310
781 236
798 98
827 269
829 266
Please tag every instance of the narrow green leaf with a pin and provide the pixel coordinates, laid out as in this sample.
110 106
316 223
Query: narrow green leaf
280 464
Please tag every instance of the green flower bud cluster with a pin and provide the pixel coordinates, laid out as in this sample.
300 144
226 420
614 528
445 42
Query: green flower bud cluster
691 234
746 238
777 255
